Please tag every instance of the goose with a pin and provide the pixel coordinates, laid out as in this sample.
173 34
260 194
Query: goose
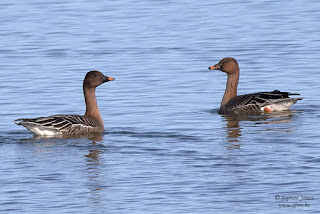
90 122
248 104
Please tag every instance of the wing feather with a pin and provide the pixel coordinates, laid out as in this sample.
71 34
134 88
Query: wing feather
252 103
71 124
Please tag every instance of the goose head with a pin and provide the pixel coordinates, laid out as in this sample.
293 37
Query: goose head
95 78
228 65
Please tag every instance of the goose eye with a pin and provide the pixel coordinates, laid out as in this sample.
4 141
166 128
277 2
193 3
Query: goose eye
226 61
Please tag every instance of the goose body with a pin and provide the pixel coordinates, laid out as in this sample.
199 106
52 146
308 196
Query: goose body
61 125
90 122
259 102
255 103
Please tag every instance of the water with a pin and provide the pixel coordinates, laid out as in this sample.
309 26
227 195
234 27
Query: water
165 149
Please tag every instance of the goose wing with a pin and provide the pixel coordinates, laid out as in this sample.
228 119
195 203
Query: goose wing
252 103
58 124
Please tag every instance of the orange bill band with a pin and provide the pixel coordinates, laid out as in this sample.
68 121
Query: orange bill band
110 78
212 67
215 67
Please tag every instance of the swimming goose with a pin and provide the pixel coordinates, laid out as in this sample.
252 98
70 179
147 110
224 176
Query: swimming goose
255 103
90 122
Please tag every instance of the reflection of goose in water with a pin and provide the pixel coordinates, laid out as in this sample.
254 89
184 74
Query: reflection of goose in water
249 104
234 127
96 176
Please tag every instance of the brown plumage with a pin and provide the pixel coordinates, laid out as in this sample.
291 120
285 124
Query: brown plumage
90 122
255 103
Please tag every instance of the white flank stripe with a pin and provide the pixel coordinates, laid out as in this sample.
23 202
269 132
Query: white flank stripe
42 132
278 107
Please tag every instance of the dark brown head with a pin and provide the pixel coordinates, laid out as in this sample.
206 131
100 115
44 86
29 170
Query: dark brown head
228 65
95 78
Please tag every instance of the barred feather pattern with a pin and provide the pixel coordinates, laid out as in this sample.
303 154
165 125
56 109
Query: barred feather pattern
61 124
253 103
